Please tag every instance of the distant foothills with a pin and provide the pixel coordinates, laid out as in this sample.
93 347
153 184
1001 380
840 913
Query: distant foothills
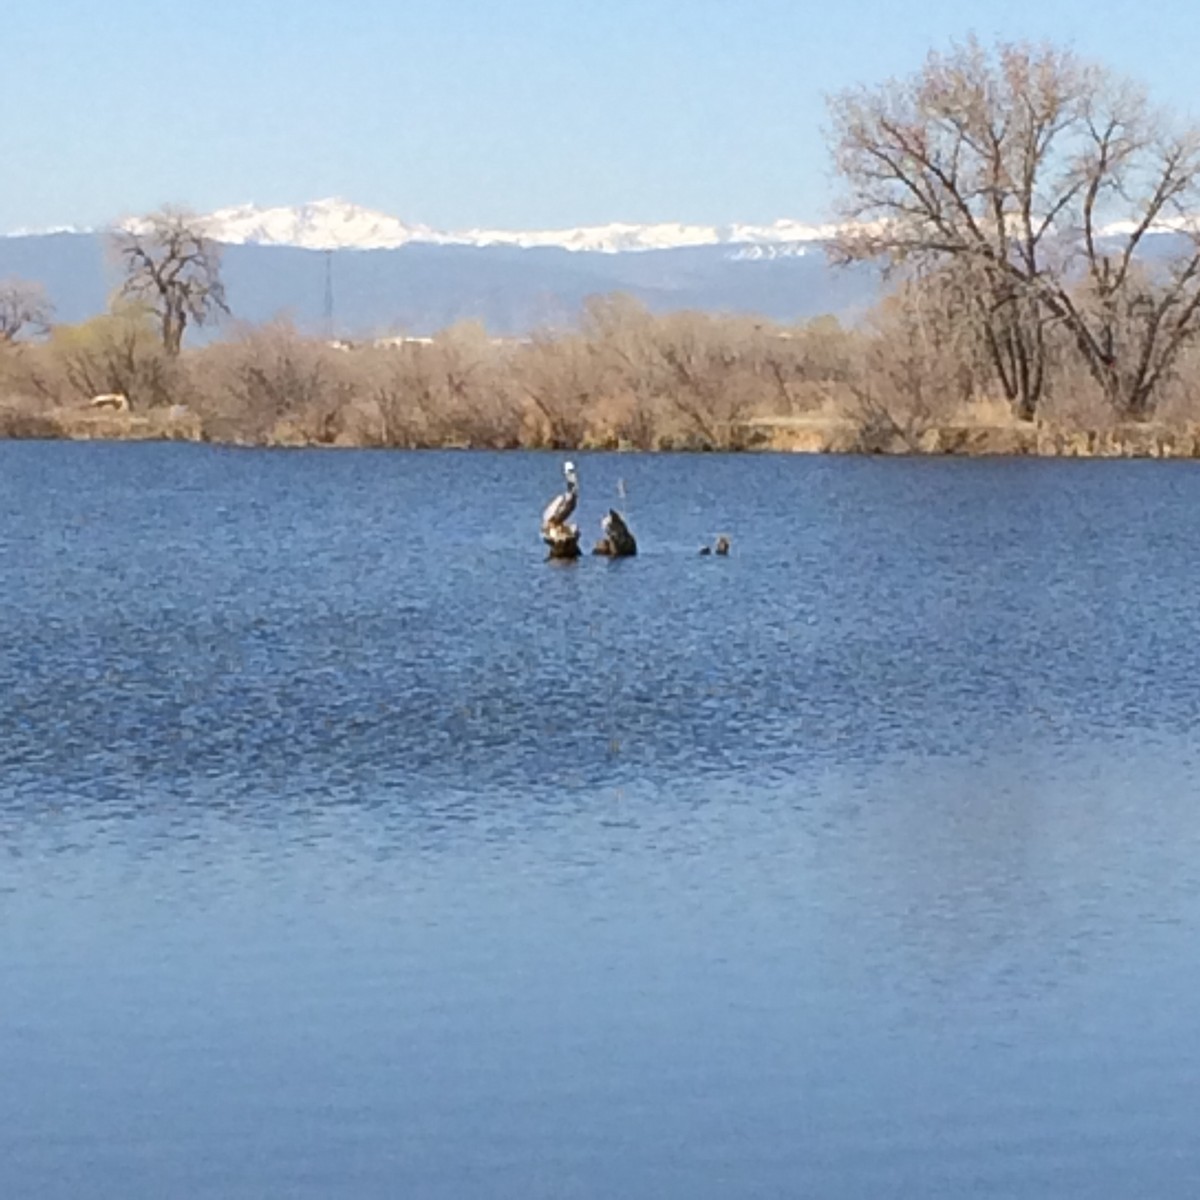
1015 270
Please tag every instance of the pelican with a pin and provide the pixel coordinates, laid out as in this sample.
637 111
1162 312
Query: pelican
561 507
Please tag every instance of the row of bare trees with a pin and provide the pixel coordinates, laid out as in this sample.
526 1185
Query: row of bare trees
626 376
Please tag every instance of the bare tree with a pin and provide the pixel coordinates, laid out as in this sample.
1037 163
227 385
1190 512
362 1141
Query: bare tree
1041 176
24 305
174 269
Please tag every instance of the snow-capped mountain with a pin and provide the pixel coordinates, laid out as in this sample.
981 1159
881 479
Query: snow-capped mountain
322 225
383 274
336 224
339 225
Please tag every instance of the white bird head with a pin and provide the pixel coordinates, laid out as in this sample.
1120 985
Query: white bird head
569 472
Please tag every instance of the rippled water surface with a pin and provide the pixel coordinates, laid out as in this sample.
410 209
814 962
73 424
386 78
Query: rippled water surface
349 849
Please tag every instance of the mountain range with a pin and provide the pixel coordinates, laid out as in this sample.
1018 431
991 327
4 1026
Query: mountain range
387 277
337 224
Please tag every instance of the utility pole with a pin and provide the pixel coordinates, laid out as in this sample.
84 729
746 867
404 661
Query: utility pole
329 295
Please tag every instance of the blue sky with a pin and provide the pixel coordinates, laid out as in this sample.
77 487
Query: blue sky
456 113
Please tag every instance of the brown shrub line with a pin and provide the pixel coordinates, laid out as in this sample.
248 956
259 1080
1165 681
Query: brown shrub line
623 379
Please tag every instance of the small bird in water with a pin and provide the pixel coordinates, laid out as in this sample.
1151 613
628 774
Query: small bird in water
720 547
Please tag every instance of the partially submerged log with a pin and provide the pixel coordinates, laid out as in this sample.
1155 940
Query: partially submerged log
618 541
563 539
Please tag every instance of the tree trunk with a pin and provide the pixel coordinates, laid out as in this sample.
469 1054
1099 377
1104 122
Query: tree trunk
563 540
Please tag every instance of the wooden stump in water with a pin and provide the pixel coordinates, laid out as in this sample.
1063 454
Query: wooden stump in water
562 539
618 541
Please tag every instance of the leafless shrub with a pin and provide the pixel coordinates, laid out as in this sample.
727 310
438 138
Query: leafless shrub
272 379
118 352
561 380
913 369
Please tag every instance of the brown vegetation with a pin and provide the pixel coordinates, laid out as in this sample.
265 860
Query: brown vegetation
912 378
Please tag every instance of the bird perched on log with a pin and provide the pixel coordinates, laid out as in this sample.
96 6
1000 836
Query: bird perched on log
562 506
562 538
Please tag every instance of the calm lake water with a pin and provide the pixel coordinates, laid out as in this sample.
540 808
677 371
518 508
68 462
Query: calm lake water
348 849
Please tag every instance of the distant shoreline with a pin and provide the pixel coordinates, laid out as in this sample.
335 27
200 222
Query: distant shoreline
808 435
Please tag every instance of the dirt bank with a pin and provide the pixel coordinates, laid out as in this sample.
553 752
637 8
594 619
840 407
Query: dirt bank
814 434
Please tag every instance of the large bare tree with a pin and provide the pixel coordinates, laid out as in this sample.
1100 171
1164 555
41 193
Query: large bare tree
1040 177
174 269
24 306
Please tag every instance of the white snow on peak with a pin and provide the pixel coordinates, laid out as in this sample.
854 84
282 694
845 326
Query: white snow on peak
784 232
606 239
1170 224
45 231
759 252
337 224
322 225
